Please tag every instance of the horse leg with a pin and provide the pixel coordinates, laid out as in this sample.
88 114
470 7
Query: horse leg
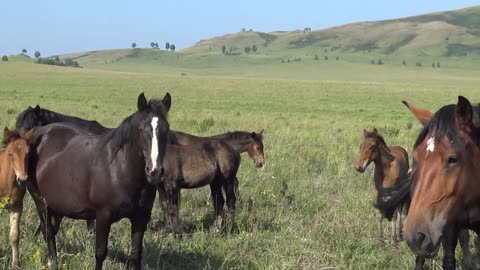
169 201
419 262
218 203
464 239
49 234
103 225
139 225
400 224
393 239
449 243
237 187
229 188
379 225
15 215
90 225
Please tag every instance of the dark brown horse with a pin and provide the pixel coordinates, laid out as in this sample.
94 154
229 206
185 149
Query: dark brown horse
391 169
446 172
83 175
212 163
240 141
14 165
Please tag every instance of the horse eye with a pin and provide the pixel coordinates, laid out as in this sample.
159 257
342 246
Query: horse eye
452 161
10 153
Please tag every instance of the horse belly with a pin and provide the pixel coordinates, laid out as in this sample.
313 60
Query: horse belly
198 177
64 190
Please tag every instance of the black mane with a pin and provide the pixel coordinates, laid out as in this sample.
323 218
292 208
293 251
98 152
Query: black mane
443 124
128 129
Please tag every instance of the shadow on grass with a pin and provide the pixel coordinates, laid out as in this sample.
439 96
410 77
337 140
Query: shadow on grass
153 258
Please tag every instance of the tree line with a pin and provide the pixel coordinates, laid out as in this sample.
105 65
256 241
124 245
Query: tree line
154 45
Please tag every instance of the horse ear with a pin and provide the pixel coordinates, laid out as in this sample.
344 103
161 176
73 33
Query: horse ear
142 102
167 101
260 133
422 115
365 133
375 132
7 134
28 135
463 113
37 109
29 107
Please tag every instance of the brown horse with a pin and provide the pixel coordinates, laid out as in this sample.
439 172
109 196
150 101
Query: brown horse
447 173
391 169
212 163
108 177
13 165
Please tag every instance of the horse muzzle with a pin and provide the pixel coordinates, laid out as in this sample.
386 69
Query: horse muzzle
422 244
154 177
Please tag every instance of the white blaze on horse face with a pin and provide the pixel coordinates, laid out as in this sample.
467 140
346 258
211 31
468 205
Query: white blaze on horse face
431 145
154 152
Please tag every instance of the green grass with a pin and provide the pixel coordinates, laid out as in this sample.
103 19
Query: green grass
307 209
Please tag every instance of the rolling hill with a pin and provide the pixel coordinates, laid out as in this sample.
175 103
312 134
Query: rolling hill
451 33
450 38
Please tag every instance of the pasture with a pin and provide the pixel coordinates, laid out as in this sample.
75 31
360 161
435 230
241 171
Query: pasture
307 209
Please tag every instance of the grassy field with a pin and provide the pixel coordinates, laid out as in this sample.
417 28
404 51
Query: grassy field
307 209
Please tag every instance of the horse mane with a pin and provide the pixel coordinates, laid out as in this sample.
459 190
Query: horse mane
379 138
128 129
443 124
242 135
14 135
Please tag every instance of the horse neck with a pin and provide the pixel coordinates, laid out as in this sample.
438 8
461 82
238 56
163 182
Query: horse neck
6 174
238 144
382 164
54 117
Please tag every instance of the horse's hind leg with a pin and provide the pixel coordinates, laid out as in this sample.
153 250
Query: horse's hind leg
15 215
103 225
393 240
379 225
464 239
218 203
229 188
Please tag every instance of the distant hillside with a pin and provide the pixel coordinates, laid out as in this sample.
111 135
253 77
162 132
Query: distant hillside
452 33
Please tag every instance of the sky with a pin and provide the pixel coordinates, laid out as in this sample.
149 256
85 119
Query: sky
58 27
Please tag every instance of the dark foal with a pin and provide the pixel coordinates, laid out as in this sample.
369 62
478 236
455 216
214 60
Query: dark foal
108 177
13 166
212 163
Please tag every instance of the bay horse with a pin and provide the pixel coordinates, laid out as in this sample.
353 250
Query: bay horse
39 117
391 169
446 171
212 163
13 166
82 175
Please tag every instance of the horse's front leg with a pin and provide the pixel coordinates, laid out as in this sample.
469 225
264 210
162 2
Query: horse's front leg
103 224
169 198
464 239
419 262
449 243
15 215
230 194
218 203
138 226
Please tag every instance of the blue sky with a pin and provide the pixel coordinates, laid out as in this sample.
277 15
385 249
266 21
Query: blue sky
56 27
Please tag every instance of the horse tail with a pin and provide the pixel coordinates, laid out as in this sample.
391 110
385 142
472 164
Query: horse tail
389 199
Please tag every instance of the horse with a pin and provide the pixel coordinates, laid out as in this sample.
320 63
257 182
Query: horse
240 141
82 175
39 117
13 166
212 163
446 171
391 169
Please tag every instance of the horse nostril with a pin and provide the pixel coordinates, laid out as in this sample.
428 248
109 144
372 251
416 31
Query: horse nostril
420 238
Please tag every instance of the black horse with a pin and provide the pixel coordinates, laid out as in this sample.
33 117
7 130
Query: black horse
82 175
